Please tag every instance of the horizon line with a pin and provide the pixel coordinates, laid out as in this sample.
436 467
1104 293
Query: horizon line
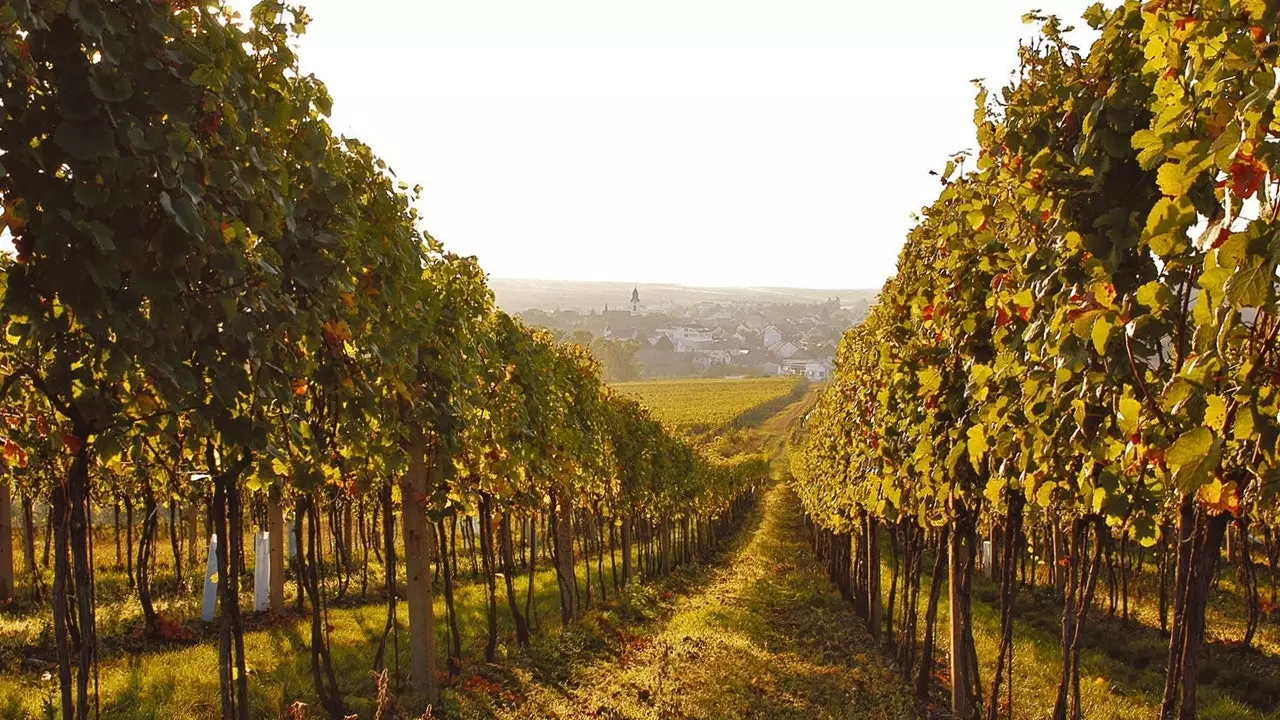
684 285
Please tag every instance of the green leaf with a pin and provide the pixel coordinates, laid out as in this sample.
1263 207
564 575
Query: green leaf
1145 531
102 236
208 76
84 140
109 86
1251 286
1155 296
1150 147
183 212
88 14
1194 457
1190 447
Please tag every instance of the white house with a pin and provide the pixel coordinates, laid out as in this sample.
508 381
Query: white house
687 338
817 371
719 356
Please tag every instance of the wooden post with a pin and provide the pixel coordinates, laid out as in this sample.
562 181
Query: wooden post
275 528
959 576
419 543
626 551
566 570
873 578
664 548
6 542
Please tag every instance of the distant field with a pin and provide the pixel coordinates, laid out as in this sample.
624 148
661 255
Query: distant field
701 404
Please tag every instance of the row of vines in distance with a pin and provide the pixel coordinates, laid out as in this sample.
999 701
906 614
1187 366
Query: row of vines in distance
218 300
702 404
1078 348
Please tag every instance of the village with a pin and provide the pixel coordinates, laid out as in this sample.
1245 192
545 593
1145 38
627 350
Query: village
668 339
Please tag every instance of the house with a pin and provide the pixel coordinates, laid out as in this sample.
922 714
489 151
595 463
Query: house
687 338
770 368
816 370
786 350
717 356
771 337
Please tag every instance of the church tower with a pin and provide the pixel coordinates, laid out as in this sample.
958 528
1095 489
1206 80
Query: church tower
635 300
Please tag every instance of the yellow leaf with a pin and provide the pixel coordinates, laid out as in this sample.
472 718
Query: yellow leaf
980 374
977 445
1130 409
1174 180
1100 333
1219 497
1044 494
994 491
1215 412
1242 429
930 380
1105 293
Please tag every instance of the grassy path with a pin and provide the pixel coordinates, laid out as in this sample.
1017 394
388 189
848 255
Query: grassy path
766 637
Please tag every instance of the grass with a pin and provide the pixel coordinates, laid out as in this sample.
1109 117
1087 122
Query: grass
181 680
765 637
757 634
698 405
746 608
1123 662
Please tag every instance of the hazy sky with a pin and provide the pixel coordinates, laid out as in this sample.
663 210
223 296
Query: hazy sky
716 142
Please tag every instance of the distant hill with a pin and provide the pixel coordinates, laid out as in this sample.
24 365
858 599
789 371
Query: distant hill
516 294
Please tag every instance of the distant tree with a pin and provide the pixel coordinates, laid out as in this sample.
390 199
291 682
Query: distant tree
582 337
860 309
617 358
664 344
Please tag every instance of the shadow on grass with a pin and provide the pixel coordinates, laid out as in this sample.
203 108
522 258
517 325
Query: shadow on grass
1122 661
1136 654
